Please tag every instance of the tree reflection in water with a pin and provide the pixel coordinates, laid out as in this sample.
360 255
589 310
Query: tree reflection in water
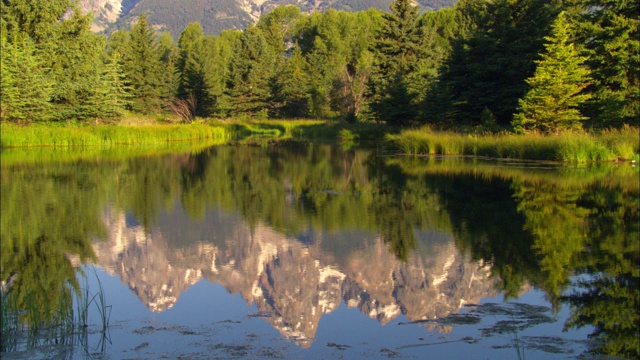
539 227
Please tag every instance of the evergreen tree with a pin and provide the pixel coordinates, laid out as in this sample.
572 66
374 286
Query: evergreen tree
611 33
490 62
34 18
292 91
141 59
117 92
25 88
76 65
169 58
397 49
192 66
186 45
250 72
551 105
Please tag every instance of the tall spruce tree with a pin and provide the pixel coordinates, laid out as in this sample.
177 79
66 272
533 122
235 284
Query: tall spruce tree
489 64
397 49
117 95
611 33
291 93
557 87
195 64
76 64
141 60
169 56
26 87
248 88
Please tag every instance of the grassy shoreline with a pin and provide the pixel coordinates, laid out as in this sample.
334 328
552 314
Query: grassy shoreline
609 145
605 146
70 135
105 135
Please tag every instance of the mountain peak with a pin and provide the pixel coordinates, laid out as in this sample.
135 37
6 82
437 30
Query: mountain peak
215 15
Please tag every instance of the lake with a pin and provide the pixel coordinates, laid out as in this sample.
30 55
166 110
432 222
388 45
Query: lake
299 251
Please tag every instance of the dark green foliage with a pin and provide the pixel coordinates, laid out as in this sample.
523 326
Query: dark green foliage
116 91
291 93
170 78
611 32
144 69
192 72
250 71
463 67
489 64
62 62
397 48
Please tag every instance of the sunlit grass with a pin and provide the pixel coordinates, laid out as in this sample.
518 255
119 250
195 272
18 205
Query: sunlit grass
101 135
609 145
146 132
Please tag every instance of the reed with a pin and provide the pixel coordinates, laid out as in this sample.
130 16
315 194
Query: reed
66 323
610 145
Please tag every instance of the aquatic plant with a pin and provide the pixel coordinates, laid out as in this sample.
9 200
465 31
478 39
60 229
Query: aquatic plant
26 327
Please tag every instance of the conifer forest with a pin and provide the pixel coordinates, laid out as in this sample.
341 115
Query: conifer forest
514 65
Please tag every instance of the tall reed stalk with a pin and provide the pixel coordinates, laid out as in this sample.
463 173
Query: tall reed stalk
67 323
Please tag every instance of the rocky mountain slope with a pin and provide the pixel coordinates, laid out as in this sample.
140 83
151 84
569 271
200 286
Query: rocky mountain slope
216 15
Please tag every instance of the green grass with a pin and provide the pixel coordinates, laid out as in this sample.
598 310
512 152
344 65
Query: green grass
219 131
106 135
610 145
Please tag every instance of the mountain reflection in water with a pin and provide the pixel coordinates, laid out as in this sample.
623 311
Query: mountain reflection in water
294 283
298 230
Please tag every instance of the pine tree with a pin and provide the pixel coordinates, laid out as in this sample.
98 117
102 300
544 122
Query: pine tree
76 62
33 18
490 62
169 58
117 92
26 87
192 65
250 74
611 33
141 59
292 90
397 49
551 104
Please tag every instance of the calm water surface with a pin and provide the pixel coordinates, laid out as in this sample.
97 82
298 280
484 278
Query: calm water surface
313 251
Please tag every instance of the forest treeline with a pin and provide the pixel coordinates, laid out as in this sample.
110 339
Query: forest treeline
525 65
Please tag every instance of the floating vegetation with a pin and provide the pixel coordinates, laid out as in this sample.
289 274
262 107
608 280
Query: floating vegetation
338 346
517 316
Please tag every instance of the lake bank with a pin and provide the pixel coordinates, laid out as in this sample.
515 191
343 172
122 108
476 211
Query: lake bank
578 147
603 146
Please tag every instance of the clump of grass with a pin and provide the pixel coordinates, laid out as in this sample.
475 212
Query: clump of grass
101 135
345 135
66 323
610 145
